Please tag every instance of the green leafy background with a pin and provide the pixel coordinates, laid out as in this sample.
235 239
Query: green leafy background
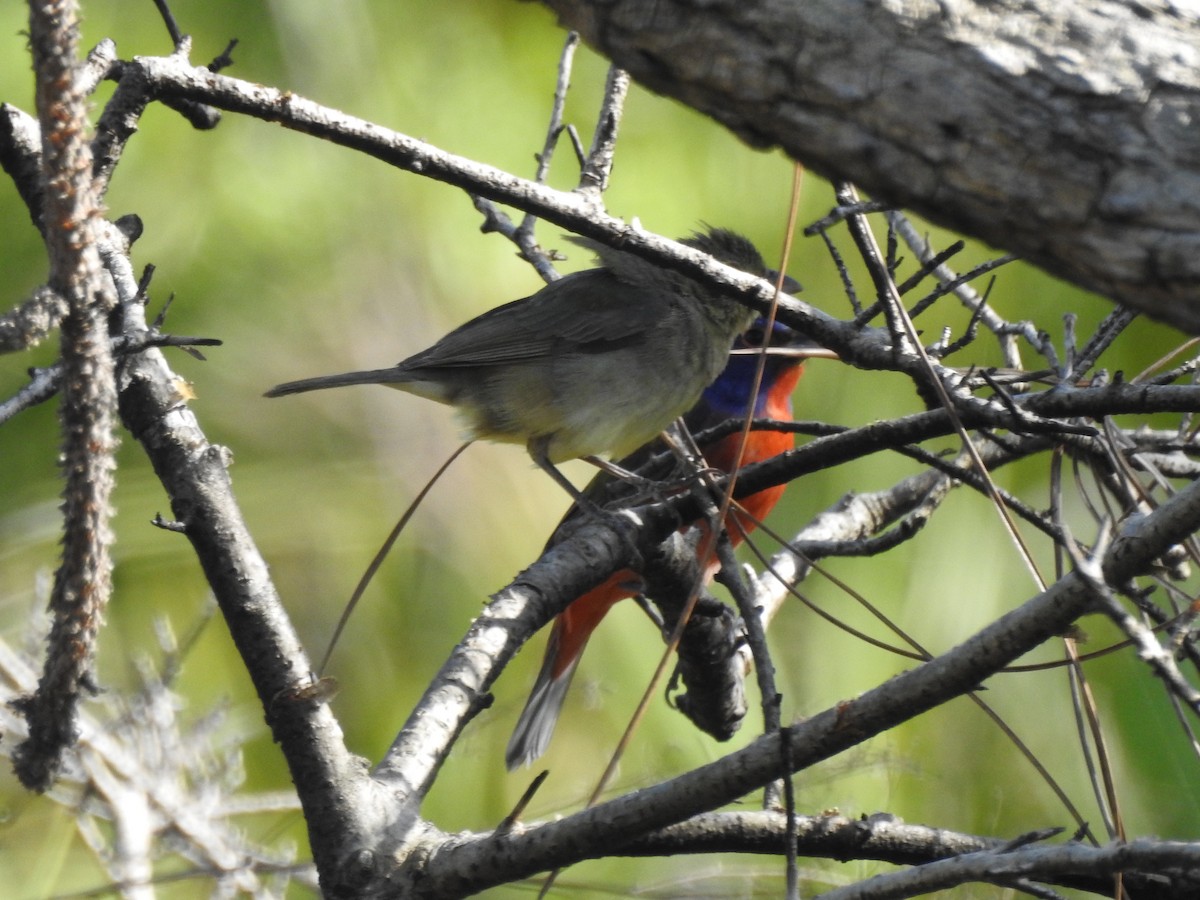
305 258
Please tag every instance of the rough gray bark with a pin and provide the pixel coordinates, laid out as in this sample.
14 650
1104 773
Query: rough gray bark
1063 131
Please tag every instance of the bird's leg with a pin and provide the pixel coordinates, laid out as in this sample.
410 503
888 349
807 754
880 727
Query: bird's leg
643 489
619 472
538 450
690 460
700 477
679 441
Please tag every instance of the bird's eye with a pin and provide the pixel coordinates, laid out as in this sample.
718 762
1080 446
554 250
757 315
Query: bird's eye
754 337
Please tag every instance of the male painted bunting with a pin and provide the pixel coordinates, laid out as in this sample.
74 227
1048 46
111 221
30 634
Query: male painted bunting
598 362
728 397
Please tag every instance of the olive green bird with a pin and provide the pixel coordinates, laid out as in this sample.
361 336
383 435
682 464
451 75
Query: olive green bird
596 363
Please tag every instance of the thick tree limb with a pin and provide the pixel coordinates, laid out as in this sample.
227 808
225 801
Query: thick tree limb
1063 131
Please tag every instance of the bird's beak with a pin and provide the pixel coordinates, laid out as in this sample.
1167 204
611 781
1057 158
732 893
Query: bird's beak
790 284
799 349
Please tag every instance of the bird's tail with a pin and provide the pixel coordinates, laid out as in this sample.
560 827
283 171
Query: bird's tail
538 719
391 376
568 638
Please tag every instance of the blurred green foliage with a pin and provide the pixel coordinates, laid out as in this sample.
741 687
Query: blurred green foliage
305 258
